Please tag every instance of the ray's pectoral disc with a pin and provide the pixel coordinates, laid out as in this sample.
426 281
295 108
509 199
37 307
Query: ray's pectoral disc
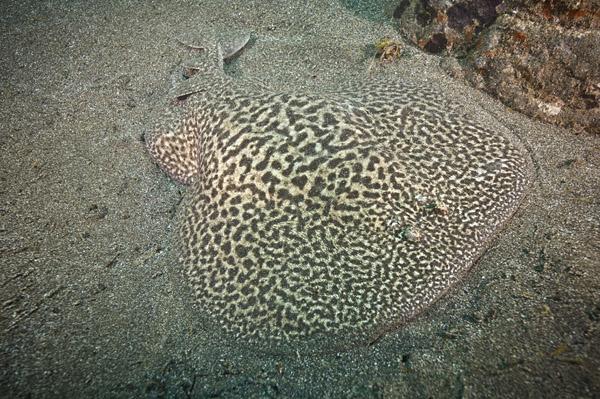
331 218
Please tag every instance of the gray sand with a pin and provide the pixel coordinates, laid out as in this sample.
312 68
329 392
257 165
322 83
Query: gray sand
92 301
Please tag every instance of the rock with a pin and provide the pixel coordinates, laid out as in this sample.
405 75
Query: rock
540 58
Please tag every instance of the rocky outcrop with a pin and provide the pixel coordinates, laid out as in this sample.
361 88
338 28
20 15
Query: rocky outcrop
541 58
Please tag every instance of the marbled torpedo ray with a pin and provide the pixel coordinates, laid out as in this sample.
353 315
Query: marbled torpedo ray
329 218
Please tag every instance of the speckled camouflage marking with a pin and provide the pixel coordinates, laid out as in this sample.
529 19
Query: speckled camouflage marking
338 214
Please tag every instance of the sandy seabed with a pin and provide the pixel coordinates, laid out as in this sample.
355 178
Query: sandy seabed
92 301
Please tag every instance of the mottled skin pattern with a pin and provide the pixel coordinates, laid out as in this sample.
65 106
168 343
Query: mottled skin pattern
335 215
